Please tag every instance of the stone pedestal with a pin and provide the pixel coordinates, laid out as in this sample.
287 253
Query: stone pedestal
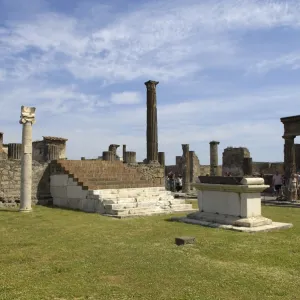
161 158
214 158
124 153
247 166
108 156
234 207
289 161
14 151
27 119
130 157
152 137
185 168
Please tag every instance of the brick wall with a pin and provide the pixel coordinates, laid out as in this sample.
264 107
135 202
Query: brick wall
10 181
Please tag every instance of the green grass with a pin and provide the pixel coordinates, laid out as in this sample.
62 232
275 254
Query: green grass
62 254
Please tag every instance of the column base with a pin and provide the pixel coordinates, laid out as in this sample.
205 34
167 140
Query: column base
25 210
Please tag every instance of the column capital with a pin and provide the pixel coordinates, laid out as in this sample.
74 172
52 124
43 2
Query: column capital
214 143
151 85
289 137
27 115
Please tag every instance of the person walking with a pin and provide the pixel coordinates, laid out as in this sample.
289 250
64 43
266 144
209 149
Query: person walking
293 187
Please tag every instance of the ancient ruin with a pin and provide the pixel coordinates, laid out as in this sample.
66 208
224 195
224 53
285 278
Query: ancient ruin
214 158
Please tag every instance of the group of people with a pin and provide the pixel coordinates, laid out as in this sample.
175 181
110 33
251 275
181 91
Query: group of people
174 183
279 184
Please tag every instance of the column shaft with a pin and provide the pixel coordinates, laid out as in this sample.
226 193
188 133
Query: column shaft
130 157
14 151
26 167
108 156
161 158
186 168
214 158
289 161
152 137
124 153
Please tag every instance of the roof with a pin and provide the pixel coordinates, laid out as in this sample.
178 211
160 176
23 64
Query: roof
54 138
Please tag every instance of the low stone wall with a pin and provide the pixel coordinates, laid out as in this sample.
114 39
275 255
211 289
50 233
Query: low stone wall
10 182
267 167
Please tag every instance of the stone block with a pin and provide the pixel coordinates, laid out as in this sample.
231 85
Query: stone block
76 192
58 191
184 240
59 180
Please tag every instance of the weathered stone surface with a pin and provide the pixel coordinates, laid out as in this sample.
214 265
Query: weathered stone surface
233 160
186 168
10 181
184 240
214 158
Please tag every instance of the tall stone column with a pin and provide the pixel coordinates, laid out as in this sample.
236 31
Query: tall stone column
124 153
161 158
214 158
14 151
186 168
27 119
247 166
289 161
152 138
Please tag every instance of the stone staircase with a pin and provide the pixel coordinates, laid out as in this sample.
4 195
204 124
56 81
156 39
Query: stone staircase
113 188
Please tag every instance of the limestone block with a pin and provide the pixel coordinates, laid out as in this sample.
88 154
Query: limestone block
250 205
59 180
71 182
99 207
253 181
58 191
76 192
75 203
184 240
89 205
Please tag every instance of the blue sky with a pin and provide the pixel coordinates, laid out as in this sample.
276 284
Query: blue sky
227 71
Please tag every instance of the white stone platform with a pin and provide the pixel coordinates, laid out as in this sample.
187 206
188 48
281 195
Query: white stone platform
119 203
235 207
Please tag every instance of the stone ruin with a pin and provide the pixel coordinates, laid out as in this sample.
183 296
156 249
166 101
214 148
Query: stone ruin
108 185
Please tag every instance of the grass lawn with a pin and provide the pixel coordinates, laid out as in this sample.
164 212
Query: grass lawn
63 254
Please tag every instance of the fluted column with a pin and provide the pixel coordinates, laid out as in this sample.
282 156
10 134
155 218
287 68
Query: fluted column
186 168
152 137
161 158
289 161
14 151
108 155
27 119
213 157
124 153
247 166
130 157
52 152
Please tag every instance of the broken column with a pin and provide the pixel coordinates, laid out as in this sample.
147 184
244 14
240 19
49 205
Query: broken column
214 158
1 140
113 148
289 161
27 120
161 158
108 156
130 157
185 168
247 166
124 153
152 138
14 151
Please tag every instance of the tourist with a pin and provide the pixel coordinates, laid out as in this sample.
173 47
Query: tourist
293 187
179 183
277 183
171 181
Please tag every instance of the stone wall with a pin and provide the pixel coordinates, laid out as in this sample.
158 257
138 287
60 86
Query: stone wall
267 167
10 177
233 159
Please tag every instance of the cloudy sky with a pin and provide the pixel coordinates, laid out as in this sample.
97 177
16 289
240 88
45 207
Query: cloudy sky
227 70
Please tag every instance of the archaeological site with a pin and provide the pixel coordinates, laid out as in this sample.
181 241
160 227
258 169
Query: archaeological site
38 172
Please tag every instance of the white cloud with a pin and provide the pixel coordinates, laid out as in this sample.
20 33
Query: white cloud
126 98
69 67
291 61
